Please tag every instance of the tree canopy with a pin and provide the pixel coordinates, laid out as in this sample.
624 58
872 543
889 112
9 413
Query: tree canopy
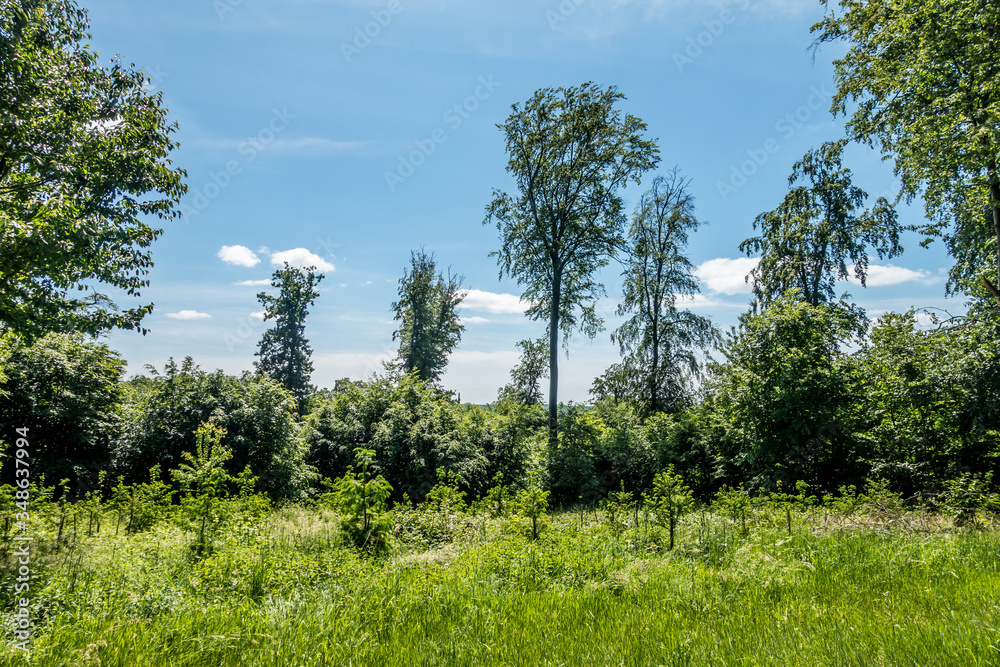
661 338
926 79
284 352
83 163
428 309
570 151
817 232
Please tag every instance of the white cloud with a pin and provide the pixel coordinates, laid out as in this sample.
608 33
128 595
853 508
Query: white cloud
727 276
474 320
254 283
238 255
301 258
490 302
889 274
189 315
257 315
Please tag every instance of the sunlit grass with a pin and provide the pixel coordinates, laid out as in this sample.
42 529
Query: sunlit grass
285 591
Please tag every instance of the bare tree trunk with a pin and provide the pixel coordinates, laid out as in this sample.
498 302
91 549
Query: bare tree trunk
554 362
995 205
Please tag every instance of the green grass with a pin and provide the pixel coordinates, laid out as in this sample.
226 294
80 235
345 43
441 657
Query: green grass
287 592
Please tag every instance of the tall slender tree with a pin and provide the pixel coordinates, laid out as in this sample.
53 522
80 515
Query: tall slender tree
570 152
284 352
428 309
662 338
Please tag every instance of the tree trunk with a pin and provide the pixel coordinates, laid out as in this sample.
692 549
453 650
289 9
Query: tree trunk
995 204
554 361
654 376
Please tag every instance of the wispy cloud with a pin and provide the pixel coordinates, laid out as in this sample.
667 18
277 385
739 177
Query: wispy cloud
474 320
253 283
300 146
189 315
882 275
238 255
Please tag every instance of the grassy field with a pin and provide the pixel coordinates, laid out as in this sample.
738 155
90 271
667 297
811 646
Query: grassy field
472 590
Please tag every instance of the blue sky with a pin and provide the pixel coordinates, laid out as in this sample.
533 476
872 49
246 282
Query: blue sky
352 132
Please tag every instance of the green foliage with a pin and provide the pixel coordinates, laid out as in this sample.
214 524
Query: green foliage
204 475
786 502
446 496
618 507
139 599
935 109
67 389
149 502
416 431
967 497
497 500
926 409
162 413
524 387
784 395
669 500
660 339
569 151
532 503
682 440
571 463
361 498
428 307
816 232
284 352
737 504
84 163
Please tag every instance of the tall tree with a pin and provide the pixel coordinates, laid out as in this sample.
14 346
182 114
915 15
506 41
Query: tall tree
818 230
284 353
83 162
570 151
525 378
662 338
428 307
925 75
